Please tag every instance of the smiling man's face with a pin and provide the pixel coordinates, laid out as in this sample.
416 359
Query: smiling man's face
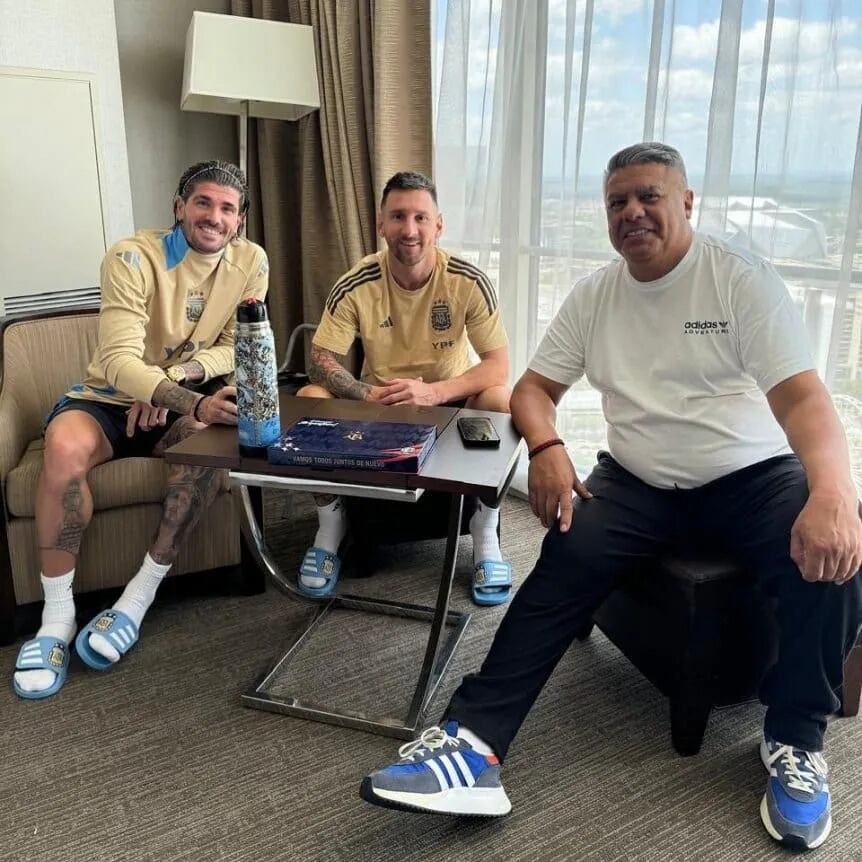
649 211
410 223
210 217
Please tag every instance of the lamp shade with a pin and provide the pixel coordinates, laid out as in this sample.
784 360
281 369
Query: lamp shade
232 61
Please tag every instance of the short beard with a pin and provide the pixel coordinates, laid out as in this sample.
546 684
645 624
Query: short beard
199 250
397 254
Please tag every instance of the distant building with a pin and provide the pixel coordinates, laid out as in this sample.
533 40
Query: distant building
849 362
774 231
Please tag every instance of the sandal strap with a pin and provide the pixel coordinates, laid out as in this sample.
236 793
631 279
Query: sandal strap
43 653
492 573
116 627
320 563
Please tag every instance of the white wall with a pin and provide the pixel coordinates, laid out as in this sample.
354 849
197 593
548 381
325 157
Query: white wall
78 37
163 140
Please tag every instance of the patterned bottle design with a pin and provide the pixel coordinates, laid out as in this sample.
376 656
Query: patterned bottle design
256 379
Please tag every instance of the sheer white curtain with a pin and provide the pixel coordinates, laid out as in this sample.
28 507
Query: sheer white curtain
762 97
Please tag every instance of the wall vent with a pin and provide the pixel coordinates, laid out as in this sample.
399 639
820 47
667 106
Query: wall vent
34 303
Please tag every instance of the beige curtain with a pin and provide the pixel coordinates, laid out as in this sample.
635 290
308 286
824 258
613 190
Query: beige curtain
315 182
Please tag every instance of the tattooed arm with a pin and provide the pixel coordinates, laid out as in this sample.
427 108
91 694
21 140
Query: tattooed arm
175 397
218 408
194 371
146 416
327 370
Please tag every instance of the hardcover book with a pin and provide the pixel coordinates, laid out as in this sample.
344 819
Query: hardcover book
355 445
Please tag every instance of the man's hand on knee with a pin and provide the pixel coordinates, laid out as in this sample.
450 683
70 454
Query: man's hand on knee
826 539
551 480
144 416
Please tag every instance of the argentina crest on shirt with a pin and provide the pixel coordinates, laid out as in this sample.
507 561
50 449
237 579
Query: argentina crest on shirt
441 317
195 306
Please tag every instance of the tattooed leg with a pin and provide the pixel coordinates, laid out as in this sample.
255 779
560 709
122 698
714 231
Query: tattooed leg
190 491
74 444
60 523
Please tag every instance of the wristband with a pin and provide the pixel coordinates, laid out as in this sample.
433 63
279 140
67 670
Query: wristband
197 405
556 441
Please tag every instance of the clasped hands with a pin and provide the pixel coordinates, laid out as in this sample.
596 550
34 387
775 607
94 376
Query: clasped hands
405 390
218 408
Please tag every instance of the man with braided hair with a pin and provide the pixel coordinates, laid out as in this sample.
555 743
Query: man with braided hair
166 321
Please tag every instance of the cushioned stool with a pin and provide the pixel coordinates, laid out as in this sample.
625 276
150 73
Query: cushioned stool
704 636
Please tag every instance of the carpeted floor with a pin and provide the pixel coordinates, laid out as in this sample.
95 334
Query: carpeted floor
156 760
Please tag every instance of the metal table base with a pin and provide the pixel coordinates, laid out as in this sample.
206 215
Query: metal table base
436 659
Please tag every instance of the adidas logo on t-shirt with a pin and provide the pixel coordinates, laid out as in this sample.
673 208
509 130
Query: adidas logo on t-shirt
386 323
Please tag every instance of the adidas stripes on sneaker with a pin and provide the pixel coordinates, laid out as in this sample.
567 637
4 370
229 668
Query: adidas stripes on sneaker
440 773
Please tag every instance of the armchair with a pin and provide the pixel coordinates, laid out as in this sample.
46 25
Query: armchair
40 358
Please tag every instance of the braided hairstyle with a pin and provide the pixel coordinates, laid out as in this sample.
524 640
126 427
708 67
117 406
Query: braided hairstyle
213 171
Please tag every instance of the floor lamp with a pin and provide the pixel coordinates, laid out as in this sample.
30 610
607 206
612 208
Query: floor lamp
250 68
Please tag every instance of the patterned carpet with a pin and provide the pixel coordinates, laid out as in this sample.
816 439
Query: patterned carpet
157 760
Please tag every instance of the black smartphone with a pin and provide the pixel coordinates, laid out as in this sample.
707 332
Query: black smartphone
477 431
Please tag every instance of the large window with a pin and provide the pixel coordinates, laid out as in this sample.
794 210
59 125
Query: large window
762 97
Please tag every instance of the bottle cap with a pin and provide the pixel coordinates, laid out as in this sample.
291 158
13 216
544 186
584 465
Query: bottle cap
251 311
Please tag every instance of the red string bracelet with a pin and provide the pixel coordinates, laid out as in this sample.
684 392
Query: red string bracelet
556 441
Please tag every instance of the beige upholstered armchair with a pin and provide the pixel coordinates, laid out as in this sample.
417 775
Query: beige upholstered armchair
40 358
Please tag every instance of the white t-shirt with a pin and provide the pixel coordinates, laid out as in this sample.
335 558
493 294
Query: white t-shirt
683 363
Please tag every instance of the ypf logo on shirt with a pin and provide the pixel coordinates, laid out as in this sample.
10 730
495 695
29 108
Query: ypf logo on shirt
706 327
441 317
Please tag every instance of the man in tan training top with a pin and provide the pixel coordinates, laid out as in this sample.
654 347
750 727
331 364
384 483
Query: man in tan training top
421 315
166 320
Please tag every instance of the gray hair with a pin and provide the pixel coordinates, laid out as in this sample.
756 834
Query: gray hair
410 181
648 152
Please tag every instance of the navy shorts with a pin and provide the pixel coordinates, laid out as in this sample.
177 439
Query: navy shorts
112 420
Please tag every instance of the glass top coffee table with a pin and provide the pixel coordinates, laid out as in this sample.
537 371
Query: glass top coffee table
450 468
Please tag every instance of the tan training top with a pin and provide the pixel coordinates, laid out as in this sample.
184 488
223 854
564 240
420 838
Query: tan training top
423 333
163 304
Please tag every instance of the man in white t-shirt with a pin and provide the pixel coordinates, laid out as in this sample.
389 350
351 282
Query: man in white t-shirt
708 389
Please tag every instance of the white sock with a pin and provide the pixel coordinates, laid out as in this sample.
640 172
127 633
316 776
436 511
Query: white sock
134 602
476 742
483 529
332 521
58 621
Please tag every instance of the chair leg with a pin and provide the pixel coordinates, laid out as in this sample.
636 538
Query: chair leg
8 607
251 580
689 714
7 626
851 691
585 632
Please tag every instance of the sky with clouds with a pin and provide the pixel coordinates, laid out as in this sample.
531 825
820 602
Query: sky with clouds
812 101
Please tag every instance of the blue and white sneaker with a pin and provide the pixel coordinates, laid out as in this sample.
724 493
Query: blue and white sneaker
442 774
796 808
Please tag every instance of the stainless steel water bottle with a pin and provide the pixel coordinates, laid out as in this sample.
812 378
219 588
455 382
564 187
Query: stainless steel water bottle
256 379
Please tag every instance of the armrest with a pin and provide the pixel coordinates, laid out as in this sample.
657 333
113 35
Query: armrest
15 436
291 344
27 360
